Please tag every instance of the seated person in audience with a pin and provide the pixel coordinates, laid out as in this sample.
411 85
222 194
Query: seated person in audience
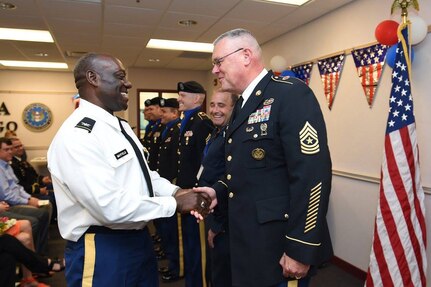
37 185
17 199
21 230
13 251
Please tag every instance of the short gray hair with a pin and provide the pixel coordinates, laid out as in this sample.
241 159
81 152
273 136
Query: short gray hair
243 35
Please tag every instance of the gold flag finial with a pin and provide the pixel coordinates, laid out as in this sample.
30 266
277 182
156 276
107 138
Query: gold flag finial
403 5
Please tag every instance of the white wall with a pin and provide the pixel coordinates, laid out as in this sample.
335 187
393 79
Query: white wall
355 131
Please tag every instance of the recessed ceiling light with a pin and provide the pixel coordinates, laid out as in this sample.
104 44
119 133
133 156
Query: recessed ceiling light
180 45
187 23
7 6
287 2
41 54
153 60
31 64
26 35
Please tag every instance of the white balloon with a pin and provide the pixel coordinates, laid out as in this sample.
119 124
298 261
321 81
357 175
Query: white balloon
419 29
278 63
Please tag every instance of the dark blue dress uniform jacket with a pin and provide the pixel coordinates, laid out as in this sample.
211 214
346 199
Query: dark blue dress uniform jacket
152 144
193 139
167 164
278 180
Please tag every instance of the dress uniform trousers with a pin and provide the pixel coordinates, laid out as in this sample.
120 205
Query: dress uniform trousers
105 257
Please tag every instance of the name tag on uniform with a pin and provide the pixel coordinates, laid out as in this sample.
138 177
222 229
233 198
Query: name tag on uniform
121 154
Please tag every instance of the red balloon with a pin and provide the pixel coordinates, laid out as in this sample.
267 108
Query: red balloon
386 32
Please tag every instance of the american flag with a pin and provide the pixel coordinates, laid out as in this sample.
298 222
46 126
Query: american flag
398 256
369 63
303 71
330 71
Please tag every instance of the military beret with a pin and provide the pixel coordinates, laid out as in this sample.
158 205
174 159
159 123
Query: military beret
190 87
169 103
153 101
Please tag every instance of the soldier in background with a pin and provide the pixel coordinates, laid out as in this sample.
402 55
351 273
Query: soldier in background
152 137
167 166
195 132
213 167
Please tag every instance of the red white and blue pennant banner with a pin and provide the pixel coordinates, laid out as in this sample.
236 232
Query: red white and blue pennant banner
303 71
369 63
330 71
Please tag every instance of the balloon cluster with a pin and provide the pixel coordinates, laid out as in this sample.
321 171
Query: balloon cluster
386 34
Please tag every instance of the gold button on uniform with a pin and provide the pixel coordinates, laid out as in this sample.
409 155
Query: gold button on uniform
229 158
286 216
229 140
230 194
229 177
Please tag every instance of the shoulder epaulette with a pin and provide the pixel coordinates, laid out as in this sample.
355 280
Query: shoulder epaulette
203 116
279 79
86 124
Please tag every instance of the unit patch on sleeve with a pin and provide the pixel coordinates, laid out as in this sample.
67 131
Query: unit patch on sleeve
309 139
86 124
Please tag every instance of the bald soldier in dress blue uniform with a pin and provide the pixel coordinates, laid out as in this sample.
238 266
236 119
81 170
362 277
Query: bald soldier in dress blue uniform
195 132
278 170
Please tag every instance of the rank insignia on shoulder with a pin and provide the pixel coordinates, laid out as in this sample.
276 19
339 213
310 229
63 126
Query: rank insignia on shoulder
86 124
203 115
309 139
284 80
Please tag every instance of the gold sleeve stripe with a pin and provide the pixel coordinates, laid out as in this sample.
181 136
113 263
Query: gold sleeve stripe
315 200
311 227
317 187
313 208
223 183
312 211
311 221
303 242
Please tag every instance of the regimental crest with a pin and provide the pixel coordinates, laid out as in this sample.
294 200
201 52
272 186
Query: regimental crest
309 139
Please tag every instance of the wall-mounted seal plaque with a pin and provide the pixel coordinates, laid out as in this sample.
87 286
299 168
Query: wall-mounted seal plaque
37 117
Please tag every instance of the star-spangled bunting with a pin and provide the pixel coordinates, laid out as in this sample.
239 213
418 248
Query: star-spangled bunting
303 72
330 72
369 63
398 255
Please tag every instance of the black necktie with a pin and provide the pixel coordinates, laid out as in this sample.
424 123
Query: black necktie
237 108
140 158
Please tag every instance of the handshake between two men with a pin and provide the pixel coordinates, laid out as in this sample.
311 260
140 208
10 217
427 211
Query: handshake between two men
199 201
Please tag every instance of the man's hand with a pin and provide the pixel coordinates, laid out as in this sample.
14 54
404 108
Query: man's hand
210 191
293 268
187 200
33 201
